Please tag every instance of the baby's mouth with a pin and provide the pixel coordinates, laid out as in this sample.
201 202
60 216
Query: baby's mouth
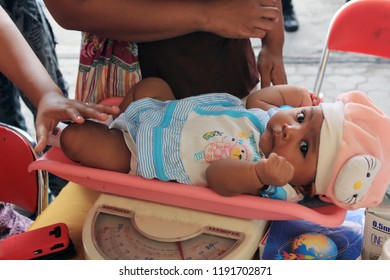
276 136
267 142
276 133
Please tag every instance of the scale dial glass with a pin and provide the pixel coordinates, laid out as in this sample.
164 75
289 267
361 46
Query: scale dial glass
116 236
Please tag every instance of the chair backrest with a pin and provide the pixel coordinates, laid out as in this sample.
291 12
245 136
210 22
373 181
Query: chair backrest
17 185
359 26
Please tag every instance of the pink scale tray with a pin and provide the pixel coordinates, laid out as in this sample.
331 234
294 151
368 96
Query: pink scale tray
186 196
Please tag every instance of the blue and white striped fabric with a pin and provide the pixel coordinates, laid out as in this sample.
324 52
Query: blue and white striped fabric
165 132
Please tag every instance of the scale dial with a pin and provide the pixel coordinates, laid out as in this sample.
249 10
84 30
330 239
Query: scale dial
139 230
118 237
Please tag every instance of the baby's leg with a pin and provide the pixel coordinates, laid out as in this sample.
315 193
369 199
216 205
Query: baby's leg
155 88
95 145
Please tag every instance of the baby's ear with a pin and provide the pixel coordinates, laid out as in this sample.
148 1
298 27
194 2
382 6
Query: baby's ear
314 192
307 190
312 189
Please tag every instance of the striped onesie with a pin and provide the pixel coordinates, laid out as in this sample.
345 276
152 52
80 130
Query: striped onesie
177 140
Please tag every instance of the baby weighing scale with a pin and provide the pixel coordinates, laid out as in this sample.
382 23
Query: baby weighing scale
124 228
136 217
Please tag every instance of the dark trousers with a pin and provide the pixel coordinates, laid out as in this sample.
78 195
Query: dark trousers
287 6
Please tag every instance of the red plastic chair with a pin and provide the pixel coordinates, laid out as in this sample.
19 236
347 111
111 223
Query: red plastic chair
359 26
17 185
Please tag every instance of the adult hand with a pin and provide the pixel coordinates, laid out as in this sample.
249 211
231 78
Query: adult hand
241 18
271 68
54 107
275 170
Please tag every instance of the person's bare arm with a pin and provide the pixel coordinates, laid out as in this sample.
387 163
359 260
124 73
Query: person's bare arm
230 177
149 20
279 95
19 63
270 59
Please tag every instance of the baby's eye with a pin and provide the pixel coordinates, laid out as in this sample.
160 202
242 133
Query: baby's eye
301 117
303 147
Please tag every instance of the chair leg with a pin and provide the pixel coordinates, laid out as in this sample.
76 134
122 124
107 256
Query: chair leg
43 196
321 71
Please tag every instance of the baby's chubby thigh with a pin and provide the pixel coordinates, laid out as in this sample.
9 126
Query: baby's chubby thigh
95 145
76 139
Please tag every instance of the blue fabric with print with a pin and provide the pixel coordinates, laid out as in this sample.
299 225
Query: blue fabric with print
156 128
274 193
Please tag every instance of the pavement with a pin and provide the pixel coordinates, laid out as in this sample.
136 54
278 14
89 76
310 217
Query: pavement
302 53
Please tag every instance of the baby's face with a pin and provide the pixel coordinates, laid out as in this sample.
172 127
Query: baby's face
295 135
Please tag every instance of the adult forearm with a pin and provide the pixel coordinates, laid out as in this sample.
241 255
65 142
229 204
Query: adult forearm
129 20
149 20
19 63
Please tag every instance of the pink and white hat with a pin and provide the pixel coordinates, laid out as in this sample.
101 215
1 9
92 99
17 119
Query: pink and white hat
353 169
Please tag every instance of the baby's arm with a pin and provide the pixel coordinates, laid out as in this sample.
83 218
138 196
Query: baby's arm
230 177
276 96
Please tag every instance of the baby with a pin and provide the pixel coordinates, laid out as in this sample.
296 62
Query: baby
331 150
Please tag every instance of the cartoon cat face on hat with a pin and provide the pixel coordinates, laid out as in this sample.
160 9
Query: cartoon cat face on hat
355 178
353 169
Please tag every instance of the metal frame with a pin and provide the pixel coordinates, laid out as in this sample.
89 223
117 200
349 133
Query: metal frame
359 26
42 175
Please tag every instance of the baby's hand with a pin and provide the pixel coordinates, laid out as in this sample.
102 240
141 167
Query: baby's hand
309 98
316 99
274 170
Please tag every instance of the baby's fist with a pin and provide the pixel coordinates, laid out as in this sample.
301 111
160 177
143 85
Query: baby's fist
274 170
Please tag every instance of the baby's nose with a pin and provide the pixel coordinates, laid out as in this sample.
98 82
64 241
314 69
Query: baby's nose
288 130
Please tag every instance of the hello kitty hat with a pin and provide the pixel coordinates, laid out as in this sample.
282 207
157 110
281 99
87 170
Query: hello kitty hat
353 169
